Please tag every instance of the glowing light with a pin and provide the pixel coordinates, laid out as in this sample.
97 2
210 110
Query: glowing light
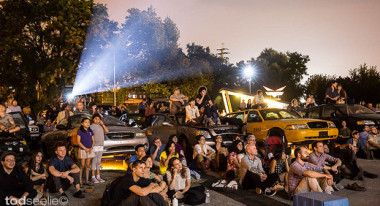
70 96
248 72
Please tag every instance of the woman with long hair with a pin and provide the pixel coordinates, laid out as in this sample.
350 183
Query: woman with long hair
294 106
178 146
148 174
37 172
234 159
166 155
279 164
86 142
178 177
221 154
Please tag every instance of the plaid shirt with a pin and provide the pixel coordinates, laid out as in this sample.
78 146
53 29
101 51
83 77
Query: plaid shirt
321 159
296 174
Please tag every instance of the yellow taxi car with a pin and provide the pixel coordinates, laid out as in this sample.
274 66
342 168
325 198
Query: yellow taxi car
289 126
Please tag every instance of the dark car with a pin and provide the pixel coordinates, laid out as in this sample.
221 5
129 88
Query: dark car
164 125
120 139
355 115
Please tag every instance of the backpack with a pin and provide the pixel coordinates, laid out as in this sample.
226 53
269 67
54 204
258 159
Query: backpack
107 199
195 196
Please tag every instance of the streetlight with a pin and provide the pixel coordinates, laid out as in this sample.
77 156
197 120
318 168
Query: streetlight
248 73
114 71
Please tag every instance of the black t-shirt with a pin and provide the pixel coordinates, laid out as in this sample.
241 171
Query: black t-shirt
61 165
204 102
122 190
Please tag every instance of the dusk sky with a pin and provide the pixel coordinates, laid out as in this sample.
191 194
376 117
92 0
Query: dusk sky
338 35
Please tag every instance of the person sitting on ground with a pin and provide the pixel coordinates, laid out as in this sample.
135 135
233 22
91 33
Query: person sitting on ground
140 153
295 107
64 115
15 184
177 101
37 172
192 113
148 174
49 127
179 179
86 142
234 159
99 129
280 166
310 102
331 93
80 109
319 157
211 111
243 105
374 142
306 177
178 149
156 150
344 132
7 125
249 104
252 175
251 139
134 190
342 95
63 172
166 155
355 144
203 154
14 107
258 100
221 154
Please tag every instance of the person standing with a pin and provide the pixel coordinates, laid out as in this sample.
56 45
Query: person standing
243 105
99 129
86 142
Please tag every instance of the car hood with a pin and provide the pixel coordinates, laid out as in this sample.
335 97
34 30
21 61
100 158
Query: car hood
10 138
298 121
115 129
366 116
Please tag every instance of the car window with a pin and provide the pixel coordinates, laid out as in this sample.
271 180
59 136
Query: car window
327 111
354 109
254 116
313 113
273 114
112 121
238 115
19 121
74 121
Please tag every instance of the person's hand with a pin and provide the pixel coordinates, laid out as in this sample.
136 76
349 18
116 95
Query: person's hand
334 169
330 181
263 177
101 122
163 194
87 150
71 179
175 172
2 127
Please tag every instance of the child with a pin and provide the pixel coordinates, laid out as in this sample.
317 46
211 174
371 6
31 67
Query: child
99 129
86 144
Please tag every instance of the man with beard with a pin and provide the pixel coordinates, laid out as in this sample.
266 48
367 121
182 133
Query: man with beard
306 177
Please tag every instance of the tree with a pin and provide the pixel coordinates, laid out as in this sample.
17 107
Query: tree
41 43
317 85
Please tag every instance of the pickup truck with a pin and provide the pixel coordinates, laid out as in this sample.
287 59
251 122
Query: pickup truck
164 125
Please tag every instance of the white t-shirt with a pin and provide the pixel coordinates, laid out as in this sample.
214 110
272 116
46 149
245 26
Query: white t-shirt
202 150
180 182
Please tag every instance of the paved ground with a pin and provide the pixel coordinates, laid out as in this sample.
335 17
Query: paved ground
241 197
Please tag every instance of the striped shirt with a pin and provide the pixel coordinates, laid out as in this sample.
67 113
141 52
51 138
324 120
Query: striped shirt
296 173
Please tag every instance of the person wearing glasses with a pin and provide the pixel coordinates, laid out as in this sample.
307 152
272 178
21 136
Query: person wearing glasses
374 142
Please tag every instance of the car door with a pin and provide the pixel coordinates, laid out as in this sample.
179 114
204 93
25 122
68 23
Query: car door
255 125
162 127
313 113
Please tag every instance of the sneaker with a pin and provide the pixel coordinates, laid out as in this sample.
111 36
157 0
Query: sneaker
64 197
221 184
232 185
79 194
100 179
217 183
219 123
94 180
258 191
269 192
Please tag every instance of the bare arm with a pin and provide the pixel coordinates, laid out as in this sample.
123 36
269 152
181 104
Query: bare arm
313 174
142 191
74 169
272 166
154 155
188 185
373 143
105 128
55 172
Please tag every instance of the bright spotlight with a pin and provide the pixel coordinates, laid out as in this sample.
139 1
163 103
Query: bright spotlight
248 72
70 96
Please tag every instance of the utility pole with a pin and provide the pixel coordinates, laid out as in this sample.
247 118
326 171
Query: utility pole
223 51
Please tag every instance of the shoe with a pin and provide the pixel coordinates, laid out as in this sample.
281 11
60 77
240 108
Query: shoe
100 179
88 184
335 187
221 184
369 175
269 192
64 197
94 180
232 185
258 191
79 194
221 181
355 187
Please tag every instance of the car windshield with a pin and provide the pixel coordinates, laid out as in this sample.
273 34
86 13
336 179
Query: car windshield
354 109
278 114
19 121
112 121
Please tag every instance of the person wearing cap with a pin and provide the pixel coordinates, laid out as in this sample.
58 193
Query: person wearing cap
177 101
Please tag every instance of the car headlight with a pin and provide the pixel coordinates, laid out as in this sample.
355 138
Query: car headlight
140 134
296 126
365 122
149 132
332 125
